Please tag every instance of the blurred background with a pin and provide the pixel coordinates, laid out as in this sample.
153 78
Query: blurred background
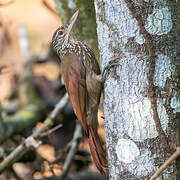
30 87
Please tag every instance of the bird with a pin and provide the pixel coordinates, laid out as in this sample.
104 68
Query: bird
81 74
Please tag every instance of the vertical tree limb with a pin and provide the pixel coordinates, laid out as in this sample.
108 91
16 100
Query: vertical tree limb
151 89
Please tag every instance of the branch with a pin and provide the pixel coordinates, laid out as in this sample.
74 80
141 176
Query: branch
164 166
74 145
51 130
151 69
24 147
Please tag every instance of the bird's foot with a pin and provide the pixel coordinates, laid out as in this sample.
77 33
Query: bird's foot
111 64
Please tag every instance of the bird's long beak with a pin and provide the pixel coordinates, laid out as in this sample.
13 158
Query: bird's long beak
71 23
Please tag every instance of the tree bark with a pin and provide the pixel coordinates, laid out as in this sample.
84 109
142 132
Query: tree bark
140 93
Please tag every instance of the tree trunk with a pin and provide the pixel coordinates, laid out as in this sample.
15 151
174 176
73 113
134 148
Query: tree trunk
140 93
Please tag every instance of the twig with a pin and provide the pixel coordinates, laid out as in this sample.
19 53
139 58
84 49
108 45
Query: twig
164 166
22 148
74 145
59 106
51 130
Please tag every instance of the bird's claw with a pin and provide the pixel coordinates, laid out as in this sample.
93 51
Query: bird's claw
106 69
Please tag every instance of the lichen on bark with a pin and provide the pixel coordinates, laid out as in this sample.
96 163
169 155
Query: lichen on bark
120 36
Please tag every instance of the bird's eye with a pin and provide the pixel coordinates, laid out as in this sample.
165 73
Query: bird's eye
60 33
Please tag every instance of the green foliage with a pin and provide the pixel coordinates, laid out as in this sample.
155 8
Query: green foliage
24 118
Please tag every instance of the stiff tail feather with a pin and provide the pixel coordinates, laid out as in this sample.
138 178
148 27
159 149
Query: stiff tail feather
97 152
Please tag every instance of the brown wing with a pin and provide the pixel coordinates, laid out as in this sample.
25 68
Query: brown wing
92 59
74 76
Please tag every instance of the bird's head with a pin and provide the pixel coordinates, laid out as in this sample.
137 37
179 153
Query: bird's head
61 37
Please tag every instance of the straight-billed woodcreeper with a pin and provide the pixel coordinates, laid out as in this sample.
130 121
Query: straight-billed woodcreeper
82 78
